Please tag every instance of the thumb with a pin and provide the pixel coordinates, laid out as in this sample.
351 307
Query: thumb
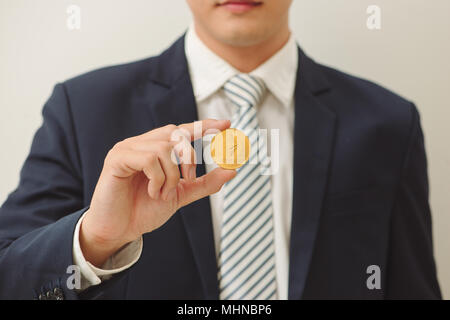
203 186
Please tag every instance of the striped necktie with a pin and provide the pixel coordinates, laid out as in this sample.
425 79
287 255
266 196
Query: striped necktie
247 252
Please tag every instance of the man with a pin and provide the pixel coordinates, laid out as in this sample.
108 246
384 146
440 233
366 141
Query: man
346 214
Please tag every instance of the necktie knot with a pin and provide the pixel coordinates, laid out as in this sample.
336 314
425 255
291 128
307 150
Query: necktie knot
245 90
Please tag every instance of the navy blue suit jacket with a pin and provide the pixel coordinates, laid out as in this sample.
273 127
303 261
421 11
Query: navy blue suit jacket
360 189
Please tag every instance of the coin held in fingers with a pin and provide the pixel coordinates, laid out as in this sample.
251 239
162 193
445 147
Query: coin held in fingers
230 149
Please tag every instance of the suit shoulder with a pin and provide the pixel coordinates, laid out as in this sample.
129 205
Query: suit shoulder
368 100
374 112
123 75
363 88
107 91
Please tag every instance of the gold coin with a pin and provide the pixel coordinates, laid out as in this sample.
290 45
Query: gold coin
230 149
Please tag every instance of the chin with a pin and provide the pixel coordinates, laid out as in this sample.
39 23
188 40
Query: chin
241 36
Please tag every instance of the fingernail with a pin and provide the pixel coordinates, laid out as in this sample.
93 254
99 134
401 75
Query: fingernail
192 173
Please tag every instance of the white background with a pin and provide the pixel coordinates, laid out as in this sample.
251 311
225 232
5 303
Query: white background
409 55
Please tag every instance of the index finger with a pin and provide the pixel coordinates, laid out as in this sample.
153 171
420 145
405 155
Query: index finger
191 131
197 129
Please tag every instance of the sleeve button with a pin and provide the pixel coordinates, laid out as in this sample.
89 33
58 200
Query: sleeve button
58 294
50 295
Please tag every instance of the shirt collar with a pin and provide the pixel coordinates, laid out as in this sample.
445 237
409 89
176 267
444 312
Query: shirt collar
209 72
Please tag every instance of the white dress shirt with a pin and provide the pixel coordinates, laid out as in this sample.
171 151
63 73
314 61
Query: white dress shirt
208 74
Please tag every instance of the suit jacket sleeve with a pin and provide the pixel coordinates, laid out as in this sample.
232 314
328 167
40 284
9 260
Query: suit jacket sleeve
38 219
411 270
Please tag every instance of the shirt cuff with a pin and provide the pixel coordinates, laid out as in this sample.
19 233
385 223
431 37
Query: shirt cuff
120 261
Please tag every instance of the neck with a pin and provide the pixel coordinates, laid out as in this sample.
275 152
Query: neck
246 58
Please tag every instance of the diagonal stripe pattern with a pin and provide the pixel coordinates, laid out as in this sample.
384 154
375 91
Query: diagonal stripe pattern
247 252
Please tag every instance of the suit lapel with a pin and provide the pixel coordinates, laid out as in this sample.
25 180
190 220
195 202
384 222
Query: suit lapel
313 146
170 100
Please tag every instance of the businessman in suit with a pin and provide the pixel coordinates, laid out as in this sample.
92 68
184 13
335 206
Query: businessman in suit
99 189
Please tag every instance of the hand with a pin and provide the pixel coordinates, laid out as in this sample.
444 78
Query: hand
140 188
